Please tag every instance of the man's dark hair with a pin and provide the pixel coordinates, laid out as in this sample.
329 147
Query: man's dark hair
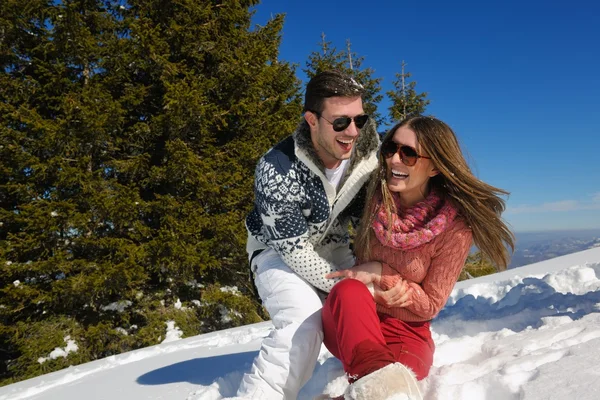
330 84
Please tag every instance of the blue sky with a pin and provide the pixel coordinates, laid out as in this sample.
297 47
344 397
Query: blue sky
519 81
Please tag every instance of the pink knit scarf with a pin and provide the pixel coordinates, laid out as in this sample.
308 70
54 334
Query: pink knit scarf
415 226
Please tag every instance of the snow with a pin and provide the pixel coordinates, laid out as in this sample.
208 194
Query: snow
118 306
173 332
122 331
178 305
71 347
529 333
230 289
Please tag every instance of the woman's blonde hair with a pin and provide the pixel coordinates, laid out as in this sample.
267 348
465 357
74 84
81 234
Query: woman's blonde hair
477 202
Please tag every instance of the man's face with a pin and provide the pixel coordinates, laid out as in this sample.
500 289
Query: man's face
331 146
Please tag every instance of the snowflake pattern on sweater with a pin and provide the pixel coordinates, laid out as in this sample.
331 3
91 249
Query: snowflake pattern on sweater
300 215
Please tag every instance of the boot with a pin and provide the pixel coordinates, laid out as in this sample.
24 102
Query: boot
393 379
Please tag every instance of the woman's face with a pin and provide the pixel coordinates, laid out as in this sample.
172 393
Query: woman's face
411 182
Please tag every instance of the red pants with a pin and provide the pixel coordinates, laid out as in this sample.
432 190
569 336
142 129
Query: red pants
365 340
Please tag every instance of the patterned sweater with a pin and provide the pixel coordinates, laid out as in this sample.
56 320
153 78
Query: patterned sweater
299 214
431 270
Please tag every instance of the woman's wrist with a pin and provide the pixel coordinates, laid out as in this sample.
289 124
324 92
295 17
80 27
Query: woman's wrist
377 273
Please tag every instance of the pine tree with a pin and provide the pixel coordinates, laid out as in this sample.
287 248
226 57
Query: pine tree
404 98
476 265
129 133
329 57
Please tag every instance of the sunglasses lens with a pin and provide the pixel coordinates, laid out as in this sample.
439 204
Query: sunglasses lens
361 120
408 155
388 149
341 123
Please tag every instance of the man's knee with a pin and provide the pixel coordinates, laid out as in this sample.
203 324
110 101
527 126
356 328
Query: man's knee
298 319
293 302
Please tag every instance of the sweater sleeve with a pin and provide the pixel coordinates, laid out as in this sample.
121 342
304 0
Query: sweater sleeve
281 209
431 295
389 276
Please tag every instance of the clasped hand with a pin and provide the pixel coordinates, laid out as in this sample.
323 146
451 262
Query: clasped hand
370 273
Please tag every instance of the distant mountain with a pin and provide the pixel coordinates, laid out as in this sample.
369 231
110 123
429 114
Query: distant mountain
532 247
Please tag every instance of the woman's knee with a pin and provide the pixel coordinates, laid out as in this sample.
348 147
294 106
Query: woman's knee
350 288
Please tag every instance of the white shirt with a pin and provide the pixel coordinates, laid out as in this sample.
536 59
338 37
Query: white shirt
335 175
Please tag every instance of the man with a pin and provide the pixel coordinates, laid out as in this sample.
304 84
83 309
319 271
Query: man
298 229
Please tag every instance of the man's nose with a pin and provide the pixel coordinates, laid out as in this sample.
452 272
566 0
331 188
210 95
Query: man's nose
352 129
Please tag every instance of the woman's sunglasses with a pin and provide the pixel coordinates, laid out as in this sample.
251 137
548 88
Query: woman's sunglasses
408 155
341 123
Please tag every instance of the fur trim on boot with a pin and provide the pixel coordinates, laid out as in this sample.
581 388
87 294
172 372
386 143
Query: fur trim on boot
392 380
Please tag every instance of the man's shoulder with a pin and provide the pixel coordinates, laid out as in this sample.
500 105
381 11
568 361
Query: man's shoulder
281 157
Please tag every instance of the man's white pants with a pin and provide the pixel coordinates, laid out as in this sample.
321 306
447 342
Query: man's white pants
288 356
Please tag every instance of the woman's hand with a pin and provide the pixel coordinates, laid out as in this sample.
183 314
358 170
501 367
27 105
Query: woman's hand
397 296
369 272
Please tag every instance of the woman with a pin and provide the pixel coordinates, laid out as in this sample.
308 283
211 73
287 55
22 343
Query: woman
425 210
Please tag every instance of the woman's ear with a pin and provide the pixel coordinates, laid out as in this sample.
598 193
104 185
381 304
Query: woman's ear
433 172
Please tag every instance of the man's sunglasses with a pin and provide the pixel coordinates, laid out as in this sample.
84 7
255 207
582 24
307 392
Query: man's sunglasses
408 155
341 123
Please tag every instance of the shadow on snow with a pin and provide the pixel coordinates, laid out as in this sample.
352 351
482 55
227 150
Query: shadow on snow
523 306
199 371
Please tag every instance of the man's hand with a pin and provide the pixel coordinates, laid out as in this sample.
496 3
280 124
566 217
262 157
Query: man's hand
369 272
397 296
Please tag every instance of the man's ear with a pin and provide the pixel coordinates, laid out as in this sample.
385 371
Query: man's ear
311 118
